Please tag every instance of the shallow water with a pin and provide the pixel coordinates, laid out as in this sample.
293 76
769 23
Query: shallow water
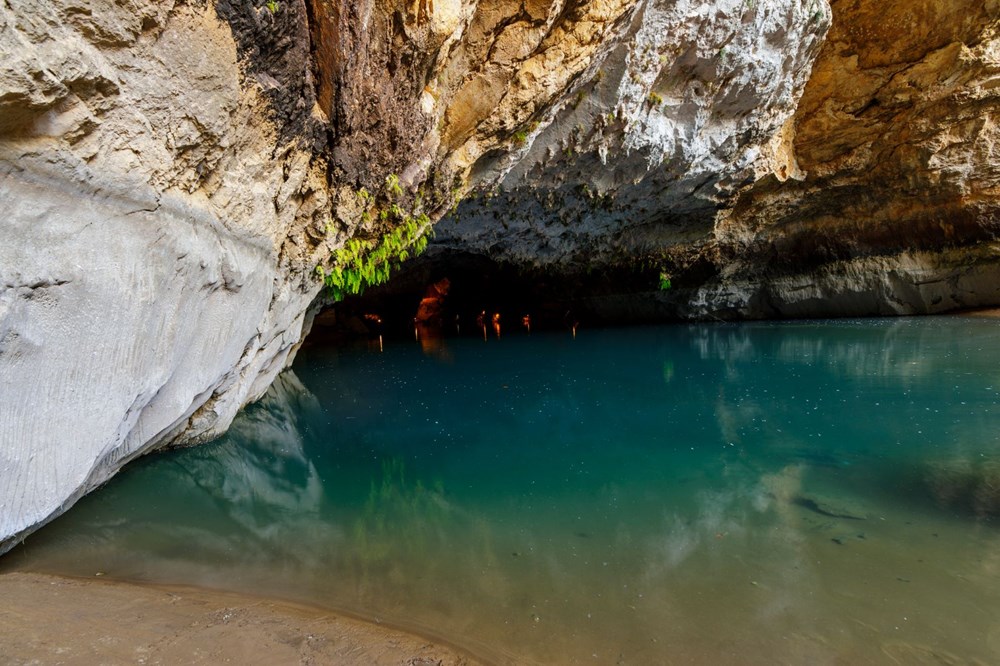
757 493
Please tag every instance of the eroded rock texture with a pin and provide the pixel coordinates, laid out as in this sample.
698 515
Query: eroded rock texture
875 193
678 110
155 236
894 209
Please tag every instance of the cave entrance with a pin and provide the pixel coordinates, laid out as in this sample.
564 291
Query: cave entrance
449 294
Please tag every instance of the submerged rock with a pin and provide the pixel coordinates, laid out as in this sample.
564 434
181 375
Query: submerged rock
832 507
966 485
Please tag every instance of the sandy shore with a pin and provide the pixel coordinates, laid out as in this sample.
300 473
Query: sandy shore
53 620
990 313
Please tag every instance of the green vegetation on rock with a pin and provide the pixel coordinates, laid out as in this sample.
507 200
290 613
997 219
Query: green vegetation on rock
362 263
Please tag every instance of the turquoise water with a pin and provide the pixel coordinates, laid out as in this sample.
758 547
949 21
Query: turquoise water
757 493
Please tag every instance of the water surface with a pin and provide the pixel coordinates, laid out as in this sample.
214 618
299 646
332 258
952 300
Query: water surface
759 493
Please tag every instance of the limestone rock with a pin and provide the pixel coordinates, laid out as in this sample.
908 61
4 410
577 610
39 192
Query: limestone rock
675 111
873 194
154 243
897 211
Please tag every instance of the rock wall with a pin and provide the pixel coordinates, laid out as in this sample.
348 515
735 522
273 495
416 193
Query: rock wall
640 152
872 194
894 208
154 263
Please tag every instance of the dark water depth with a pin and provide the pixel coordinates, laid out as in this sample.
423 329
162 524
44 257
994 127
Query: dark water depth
759 493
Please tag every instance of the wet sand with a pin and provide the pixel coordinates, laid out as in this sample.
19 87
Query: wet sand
54 620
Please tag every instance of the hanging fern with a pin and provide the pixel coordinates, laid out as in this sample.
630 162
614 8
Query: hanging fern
363 263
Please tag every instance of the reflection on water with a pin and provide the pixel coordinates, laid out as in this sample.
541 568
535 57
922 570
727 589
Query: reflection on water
802 493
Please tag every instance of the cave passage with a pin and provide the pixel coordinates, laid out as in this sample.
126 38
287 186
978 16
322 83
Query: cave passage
461 294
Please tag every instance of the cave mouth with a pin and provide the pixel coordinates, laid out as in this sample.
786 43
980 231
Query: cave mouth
449 294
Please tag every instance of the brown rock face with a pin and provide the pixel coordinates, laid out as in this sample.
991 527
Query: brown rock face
878 196
427 90
896 134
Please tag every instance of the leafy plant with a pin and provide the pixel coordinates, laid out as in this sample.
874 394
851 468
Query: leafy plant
655 99
363 263
272 6
664 281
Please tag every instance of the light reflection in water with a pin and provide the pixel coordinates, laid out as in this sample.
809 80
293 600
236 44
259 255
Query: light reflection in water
726 494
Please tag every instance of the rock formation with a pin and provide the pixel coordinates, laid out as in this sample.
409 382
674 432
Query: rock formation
654 137
173 176
153 272
890 204
876 197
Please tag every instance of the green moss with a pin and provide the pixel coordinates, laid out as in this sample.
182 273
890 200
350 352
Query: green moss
392 185
655 99
520 137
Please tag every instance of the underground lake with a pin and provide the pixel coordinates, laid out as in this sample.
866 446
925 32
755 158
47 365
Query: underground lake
756 493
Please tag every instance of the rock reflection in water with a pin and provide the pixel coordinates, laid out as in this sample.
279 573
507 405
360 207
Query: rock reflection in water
239 502
432 339
968 486
684 494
